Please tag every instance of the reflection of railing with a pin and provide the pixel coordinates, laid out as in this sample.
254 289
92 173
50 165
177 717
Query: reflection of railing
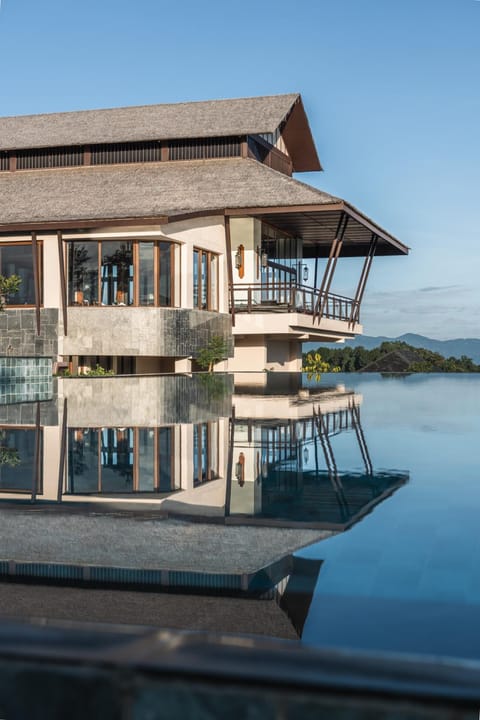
290 297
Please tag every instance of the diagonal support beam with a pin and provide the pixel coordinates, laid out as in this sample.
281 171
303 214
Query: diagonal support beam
330 269
355 313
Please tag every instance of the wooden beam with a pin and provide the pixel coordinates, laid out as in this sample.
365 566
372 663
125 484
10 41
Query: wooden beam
331 265
228 248
63 282
363 281
36 279
63 451
37 457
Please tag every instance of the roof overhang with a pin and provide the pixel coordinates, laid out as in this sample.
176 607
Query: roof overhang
317 225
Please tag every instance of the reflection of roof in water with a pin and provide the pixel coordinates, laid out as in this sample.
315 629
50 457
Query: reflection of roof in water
322 501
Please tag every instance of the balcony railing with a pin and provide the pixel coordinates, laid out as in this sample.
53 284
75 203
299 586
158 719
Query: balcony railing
293 298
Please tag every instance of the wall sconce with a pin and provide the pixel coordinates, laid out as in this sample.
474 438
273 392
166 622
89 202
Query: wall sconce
264 258
240 470
305 455
305 273
240 260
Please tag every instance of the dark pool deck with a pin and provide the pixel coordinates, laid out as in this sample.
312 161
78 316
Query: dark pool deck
104 549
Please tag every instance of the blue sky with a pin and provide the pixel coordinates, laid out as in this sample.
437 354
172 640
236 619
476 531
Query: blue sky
391 88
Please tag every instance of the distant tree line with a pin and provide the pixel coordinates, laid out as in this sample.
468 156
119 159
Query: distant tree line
349 359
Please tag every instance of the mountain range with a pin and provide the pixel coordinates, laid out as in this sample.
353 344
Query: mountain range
448 348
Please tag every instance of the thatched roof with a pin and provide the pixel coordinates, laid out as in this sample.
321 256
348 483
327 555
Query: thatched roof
147 190
167 190
213 118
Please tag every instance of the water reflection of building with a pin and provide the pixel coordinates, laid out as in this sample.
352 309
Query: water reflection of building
176 444
138 439
286 469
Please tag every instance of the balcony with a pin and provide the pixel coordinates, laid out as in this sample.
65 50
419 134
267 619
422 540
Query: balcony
293 298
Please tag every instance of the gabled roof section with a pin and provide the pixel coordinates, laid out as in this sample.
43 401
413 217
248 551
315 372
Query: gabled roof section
213 118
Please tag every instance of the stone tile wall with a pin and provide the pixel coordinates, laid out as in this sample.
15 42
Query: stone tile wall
158 332
26 379
18 333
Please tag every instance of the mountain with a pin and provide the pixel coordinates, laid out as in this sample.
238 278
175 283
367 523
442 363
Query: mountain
448 348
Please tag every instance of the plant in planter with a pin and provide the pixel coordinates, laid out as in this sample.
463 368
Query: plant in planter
8 286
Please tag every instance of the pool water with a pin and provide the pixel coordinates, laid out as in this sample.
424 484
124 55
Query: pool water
407 577
358 493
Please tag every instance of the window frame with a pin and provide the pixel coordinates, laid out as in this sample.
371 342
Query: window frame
174 278
208 254
39 269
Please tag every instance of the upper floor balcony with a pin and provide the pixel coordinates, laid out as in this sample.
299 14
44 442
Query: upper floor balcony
293 297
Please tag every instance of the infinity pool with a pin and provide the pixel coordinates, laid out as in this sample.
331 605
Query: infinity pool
350 504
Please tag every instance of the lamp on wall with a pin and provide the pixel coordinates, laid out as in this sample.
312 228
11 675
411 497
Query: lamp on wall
264 258
240 470
240 260
305 273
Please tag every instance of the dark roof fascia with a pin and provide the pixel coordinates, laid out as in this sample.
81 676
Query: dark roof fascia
40 226
370 225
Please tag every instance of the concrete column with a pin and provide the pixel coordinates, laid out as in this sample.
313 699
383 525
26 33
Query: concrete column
183 365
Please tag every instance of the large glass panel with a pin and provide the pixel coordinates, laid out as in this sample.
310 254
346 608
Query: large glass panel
196 278
18 260
83 460
146 459
165 459
83 273
204 298
205 452
117 460
213 282
197 443
146 274
17 460
165 274
117 273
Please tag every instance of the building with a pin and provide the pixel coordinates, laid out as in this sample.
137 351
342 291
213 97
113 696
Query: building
140 233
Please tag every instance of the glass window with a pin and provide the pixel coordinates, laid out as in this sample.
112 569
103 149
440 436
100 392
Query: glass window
83 273
83 460
129 272
205 453
17 468
205 280
17 259
165 459
165 274
117 273
213 282
146 274
146 459
116 460
120 460
196 277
